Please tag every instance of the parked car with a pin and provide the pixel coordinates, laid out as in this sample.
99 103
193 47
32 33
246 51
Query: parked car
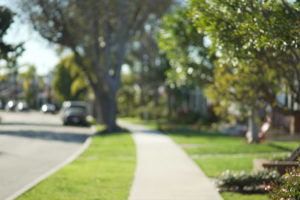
71 110
73 104
11 105
22 106
74 115
48 108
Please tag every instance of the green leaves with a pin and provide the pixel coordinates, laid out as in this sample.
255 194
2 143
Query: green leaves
69 83
8 52
289 188
185 47
256 46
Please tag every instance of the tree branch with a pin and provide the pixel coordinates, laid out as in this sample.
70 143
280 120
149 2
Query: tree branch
84 69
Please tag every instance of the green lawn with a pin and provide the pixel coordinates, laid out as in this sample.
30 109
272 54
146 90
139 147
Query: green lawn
215 153
237 196
104 171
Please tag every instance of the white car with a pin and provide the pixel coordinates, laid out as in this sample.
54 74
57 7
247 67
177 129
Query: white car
48 108
22 106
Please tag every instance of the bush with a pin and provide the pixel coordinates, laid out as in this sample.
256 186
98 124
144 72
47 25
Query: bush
288 189
247 182
282 157
150 111
187 116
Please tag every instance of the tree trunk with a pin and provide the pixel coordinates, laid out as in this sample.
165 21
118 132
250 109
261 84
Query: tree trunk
100 108
169 101
295 155
156 96
252 128
142 96
106 111
98 112
111 121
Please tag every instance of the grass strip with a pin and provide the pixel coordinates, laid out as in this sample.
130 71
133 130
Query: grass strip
215 153
238 196
152 124
104 171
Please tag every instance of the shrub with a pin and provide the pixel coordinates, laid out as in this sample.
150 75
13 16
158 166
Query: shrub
288 189
247 182
149 112
187 116
282 157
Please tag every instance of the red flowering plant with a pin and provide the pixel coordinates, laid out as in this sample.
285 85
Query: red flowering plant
288 189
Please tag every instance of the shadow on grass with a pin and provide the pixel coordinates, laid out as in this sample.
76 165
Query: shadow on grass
260 191
105 132
195 133
279 147
180 130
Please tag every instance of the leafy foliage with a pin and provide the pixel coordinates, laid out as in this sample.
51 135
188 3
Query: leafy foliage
186 49
288 189
143 91
256 43
7 52
31 86
68 83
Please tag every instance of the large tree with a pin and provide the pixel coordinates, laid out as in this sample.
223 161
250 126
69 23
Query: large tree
98 33
257 47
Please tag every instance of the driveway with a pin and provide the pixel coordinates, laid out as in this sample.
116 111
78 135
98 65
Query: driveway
31 144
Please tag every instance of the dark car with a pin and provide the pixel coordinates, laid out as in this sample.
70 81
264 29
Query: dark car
72 104
74 115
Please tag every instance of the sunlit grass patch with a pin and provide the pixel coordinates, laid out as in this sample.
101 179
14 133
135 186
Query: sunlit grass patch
104 171
238 196
215 153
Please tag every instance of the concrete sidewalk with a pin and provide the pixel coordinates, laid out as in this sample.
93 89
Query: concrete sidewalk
164 171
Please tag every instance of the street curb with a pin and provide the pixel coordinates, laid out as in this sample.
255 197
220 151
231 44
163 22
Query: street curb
55 169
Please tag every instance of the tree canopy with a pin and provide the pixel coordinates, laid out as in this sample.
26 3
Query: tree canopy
98 33
186 49
8 52
256 43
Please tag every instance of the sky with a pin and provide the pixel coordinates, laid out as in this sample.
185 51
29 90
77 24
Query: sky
38 51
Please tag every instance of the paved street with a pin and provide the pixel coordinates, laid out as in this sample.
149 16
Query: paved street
31 144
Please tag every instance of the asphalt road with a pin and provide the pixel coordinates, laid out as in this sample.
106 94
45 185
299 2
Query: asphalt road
32 143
